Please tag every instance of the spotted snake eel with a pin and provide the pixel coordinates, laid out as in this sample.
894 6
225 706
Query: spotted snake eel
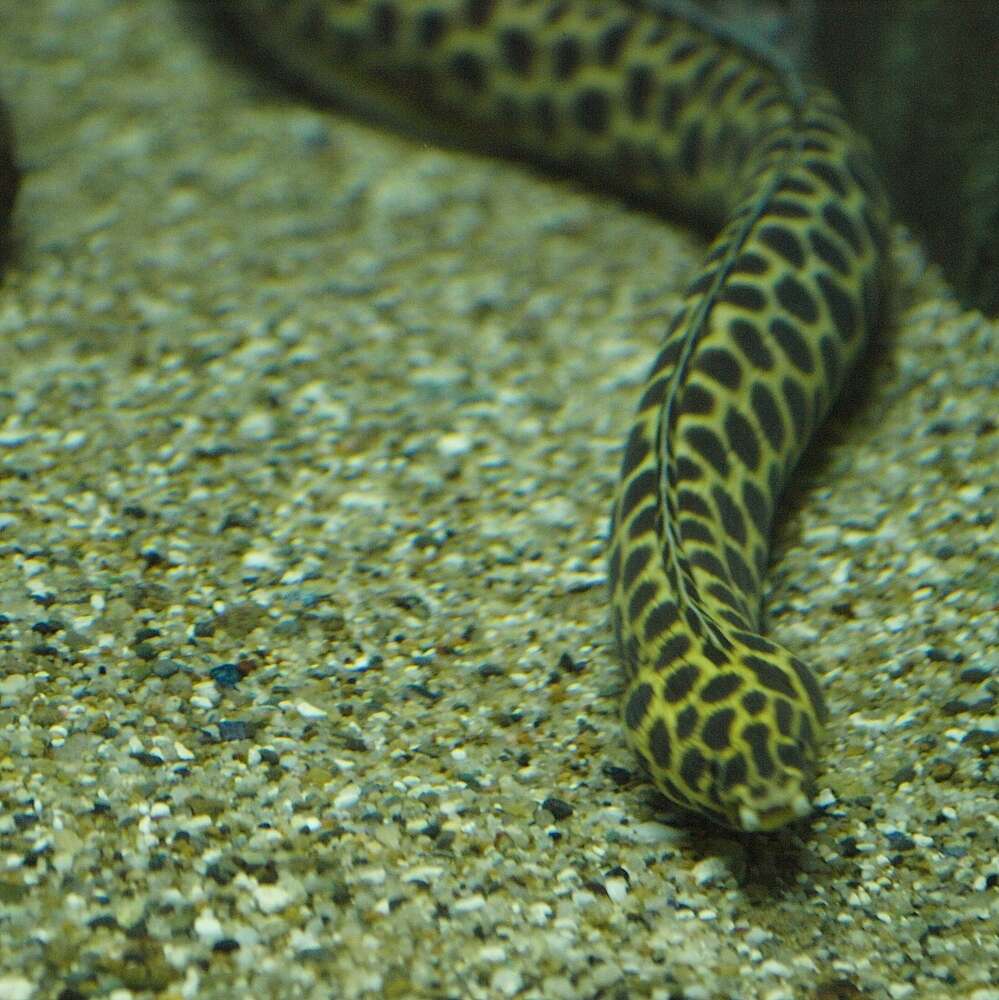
670 109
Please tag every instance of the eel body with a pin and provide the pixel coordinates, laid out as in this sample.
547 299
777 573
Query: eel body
684 117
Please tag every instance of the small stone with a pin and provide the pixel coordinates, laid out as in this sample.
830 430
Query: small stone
900 841
617 889
652 832
208 928
557 807
307 711
347 797
165 667
259 425
16 988
469 904
272 898
233 730
225 675
710 871
506 982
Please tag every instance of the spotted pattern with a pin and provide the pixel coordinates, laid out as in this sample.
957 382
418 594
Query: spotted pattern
726 721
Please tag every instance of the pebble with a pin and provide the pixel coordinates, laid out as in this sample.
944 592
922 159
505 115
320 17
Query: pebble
346 423
14 987
347 797
711 871
309 711
208 927
272 898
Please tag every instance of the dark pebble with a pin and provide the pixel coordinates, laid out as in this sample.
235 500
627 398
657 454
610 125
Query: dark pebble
47 628
848 847
900 841
973 675
234 730
938 655
568 665
619 775
226 675
165 667
557 807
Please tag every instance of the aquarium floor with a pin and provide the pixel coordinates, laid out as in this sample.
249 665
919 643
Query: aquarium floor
308 434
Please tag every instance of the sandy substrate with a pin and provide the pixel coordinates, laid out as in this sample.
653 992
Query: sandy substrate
308 435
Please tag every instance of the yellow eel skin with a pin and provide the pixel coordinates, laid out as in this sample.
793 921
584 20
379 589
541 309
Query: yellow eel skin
684 117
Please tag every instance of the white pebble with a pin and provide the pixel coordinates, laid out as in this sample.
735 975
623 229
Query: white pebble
257 426
13 437
453 445
427 874
11 685
779 993
205 692
771 967
16 988
825 798
756 936
347 797
303 942
506 982
469 904
367 502
371 876
617 889
493 953
208 928
307 711
74 440
261 560
654 833
272 898
710 871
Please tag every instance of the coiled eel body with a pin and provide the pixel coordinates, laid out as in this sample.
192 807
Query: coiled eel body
684 117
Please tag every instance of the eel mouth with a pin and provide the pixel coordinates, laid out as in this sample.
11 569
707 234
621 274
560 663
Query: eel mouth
761 817
760 809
